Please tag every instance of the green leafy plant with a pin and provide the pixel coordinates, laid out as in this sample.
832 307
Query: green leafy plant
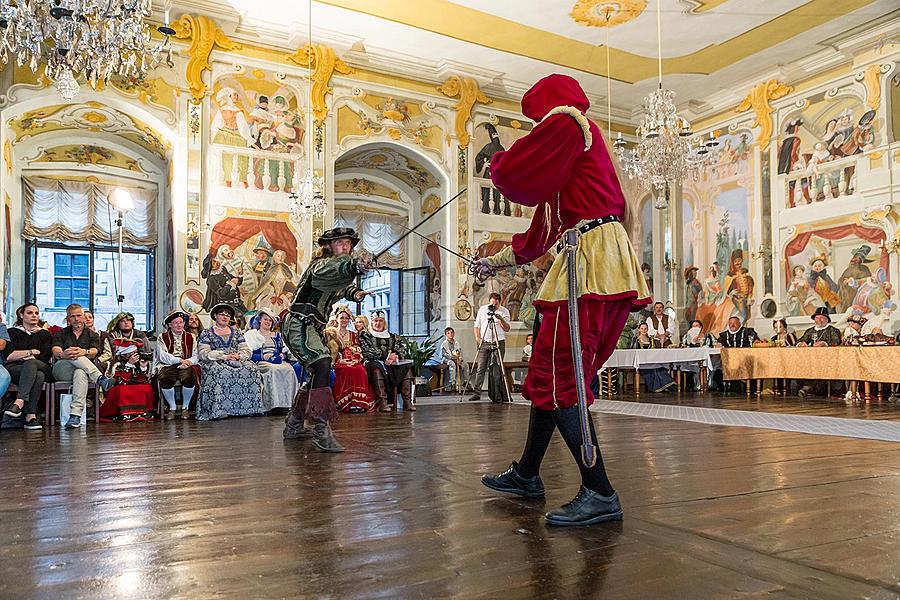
420 353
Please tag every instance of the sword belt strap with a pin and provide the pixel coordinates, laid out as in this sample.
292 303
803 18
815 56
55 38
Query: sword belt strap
587 226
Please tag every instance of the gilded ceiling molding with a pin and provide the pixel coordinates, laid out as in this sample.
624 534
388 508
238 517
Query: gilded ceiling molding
872 81
697 7
205 35
594 13
758 99
468 92
322 60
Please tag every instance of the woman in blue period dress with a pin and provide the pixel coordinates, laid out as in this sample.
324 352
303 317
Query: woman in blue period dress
270 354
230 384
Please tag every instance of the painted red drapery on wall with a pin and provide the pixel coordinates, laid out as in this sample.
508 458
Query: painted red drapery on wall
869 234
234 231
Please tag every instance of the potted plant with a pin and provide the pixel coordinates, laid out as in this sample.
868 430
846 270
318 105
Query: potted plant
420 354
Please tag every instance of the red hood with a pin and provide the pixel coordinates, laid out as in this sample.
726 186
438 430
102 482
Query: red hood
550 92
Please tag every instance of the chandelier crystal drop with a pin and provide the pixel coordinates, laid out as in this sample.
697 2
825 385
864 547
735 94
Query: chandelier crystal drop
308 200
94 39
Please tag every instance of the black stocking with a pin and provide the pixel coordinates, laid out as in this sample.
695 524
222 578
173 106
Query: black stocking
593 478
540 430
321 373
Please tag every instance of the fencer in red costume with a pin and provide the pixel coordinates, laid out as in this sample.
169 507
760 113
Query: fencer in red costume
563 169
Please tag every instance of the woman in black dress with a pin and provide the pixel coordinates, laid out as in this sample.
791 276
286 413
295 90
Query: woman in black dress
27 358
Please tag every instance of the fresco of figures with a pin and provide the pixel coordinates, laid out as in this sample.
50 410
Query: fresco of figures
261 117
815 142
843 269
252 264
716 233
488 139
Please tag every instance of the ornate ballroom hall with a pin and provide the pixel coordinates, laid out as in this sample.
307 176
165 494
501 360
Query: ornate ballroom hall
164 159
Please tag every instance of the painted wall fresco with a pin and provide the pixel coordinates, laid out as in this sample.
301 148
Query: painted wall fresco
261 116
721 286
253 262
488 139
398 118
842 268
815 139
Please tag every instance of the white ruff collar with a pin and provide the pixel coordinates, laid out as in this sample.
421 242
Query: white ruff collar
582 121
381 334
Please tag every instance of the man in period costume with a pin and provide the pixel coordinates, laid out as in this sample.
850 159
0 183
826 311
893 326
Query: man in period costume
736 335
330 276
823 333
563 169
176 361
660 326
386 363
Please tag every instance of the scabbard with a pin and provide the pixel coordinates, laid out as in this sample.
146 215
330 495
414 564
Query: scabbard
588 450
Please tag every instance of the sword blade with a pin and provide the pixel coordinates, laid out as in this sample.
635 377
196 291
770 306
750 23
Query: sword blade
439 245
419 224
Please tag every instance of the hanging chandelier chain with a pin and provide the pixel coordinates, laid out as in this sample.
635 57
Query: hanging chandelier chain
667 150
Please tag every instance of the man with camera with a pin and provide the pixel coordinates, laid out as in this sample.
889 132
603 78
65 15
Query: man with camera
491 325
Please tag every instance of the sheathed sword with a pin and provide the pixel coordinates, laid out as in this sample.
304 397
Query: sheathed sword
588 450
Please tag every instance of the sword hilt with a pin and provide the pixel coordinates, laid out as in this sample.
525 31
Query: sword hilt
479 274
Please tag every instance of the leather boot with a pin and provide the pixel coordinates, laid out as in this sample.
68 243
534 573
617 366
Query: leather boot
293 424
510 482
406 392
380 393
323 438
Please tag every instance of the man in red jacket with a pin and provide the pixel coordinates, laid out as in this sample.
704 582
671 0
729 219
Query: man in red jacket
564 170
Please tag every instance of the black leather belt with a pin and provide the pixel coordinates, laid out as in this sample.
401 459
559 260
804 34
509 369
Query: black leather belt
582 229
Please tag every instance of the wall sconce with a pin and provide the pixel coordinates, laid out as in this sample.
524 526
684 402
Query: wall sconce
761 253
669 265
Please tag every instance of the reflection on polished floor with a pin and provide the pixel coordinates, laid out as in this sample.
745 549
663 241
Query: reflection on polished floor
229 510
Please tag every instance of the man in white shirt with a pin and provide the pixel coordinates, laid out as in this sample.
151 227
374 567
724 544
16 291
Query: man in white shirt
660 325
487 341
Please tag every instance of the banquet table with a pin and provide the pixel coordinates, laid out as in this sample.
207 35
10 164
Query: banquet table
706 360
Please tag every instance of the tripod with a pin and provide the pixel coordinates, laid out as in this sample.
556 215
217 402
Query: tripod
496 361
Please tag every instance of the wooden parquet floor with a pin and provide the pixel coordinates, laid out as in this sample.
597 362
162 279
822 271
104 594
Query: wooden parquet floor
230 510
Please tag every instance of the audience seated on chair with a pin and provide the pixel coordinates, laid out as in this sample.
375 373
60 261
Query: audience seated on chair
385 357
131 397
176 360
270 355
74 349
230 384
27 356
657 379
351 383
194 325
103 359
450 354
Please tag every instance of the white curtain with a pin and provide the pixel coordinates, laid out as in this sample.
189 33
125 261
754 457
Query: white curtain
79 211
376 233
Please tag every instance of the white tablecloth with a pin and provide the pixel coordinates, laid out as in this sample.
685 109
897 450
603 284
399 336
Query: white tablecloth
646 359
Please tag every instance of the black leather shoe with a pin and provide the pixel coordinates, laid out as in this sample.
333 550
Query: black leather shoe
587 508
512 483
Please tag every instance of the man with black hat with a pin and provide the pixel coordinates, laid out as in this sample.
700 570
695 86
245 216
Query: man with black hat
176 360
823 333
330 276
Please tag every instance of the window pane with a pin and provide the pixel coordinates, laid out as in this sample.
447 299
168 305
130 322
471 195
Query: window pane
62 292
81 265
62 265
135 288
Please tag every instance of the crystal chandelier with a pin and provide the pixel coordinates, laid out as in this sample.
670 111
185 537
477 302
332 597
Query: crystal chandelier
308 198
667 150
94 39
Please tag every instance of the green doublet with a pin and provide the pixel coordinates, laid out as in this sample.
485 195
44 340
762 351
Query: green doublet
325 281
